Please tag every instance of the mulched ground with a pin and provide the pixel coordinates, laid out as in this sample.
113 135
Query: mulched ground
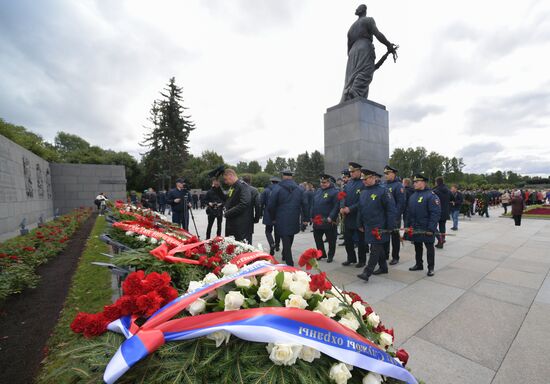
27 319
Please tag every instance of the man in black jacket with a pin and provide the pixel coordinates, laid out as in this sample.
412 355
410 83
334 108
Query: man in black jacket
444 195
255 208
273 242
214 200
455 202
237 206
180 200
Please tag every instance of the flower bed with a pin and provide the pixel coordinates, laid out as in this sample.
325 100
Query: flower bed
20 256
236 315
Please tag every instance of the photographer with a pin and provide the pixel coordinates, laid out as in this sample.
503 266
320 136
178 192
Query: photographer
214 200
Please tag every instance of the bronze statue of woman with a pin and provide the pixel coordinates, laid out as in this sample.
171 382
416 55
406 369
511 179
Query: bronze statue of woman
361 56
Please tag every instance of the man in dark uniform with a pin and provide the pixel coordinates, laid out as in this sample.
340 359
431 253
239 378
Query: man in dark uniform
375 219
396 189
423 215
273 242
255 208
345 179
179 199
409 190
349 207
162 201
214 200
237 206
286 204
444 195
324 216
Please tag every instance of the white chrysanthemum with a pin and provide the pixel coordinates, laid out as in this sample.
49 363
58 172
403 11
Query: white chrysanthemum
153 240
142 238
129 233
329 306
299 287
229 269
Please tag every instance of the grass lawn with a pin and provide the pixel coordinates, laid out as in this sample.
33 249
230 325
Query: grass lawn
90 291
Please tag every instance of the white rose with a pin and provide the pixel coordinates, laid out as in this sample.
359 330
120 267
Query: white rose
269 279
211 277
372 378
243 282
219 337
233 300
229 269
299 287
386 339
351 323
309 354
142 238
301 276
373 319
196 307
153 240
194 285
265 292
329 306
340 373
295 301
360 308
283 354
129 233
287 280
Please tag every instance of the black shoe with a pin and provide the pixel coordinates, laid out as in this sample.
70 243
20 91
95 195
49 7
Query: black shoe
454 229
360 265
394 261
277 248
346 263
439 246
271 251
341 237
416 268
363 276
323 257
330 260
380 272
430 272
342 244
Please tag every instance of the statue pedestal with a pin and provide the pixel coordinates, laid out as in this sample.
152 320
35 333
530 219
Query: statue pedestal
356 130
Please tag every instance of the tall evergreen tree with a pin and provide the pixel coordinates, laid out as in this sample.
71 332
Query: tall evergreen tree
168 139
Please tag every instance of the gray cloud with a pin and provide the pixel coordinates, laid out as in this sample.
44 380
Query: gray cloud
411 112
480 149
509 114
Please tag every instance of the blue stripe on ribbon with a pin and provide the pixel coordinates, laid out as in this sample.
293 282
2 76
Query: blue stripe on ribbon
133 350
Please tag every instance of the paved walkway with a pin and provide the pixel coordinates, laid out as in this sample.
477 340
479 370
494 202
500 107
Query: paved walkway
485 315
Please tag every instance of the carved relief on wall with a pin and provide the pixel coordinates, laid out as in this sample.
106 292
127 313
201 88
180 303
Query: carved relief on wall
39 181
48 183
28 177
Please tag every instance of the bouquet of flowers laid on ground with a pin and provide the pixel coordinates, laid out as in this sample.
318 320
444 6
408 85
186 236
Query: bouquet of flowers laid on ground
297 317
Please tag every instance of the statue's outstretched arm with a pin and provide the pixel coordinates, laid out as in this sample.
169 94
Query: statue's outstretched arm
380 36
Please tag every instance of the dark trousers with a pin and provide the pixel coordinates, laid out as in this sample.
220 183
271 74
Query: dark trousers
395 247
430 254
287 241
179 217
442 229
505 206
349 234
248 238
162 208
211 223
331 237
517 220
376 256
273 243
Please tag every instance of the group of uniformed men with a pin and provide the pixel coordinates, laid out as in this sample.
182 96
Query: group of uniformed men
370 212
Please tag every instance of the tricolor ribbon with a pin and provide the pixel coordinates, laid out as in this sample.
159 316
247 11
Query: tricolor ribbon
129 226
266 325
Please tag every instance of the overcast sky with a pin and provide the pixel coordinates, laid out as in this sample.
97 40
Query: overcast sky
472 77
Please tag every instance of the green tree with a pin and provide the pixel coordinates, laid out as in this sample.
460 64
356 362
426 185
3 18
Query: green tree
270 167
280 164
168 138
254 167
29 140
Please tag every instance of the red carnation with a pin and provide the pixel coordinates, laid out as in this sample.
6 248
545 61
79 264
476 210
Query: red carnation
390 332
410 232
380 328
402 355
29 249
203 260
368 310
376 233
309 258
191 240
318 220
79 322
217 270
149 303
230 249
127 305
214 248
319 282
133 285
96 325
112 312
354 296
155 280
168 294
341 195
